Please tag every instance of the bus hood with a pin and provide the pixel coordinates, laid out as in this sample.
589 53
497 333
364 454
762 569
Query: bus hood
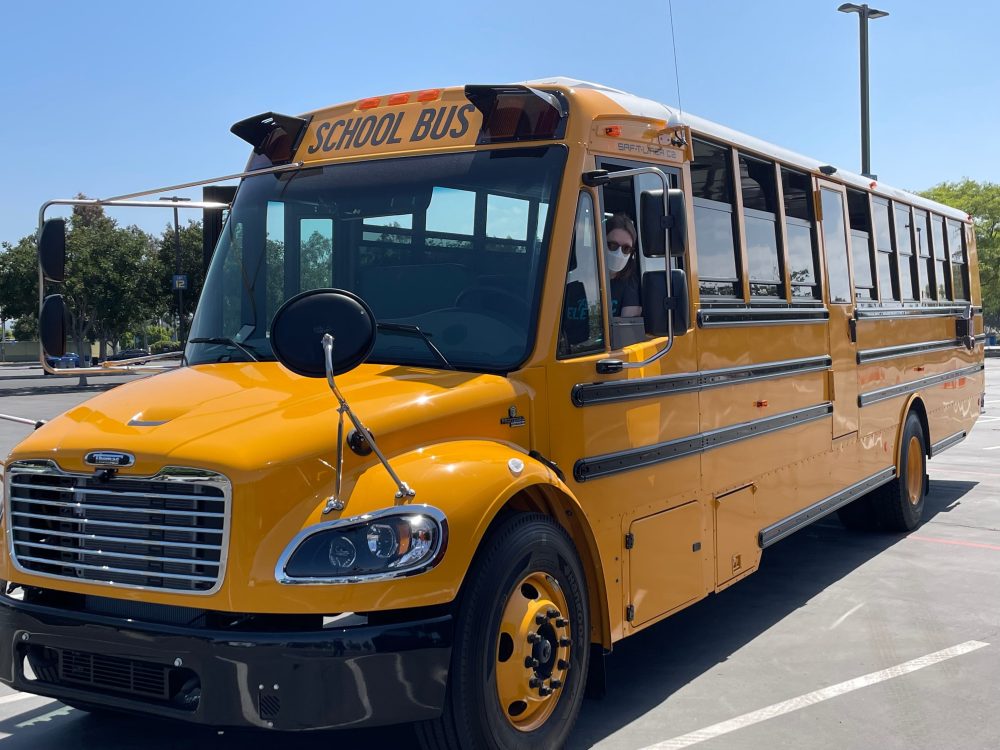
246 418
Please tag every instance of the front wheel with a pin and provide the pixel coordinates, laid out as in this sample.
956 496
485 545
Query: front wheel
519 663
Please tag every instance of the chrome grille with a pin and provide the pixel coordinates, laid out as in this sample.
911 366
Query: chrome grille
167 532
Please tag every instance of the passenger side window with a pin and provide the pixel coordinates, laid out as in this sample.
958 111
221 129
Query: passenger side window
956 246
864 277
941 277
712 192
887 274
925 266
582 328
835 245
759 191
904 248
797 190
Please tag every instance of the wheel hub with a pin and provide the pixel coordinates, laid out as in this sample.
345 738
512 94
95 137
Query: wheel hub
532 651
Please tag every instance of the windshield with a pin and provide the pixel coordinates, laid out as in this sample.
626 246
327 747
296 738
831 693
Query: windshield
453 244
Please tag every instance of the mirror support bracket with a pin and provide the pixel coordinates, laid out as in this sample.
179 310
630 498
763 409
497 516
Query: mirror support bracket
334 502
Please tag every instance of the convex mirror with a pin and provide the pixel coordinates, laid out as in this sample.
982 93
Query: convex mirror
299 325
52 249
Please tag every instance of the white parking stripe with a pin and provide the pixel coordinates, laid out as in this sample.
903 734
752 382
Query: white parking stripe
809 699
21 697
846 614
992 448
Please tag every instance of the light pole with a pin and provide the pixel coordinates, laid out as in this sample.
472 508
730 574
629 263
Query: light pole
864 13
177 269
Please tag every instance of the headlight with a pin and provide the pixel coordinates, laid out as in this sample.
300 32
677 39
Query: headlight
385 544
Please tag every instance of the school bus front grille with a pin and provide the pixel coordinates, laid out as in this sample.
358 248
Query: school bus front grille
167 532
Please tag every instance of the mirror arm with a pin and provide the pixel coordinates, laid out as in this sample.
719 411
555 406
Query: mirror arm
335 503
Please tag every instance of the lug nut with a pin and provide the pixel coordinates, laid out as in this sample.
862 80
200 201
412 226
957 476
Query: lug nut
562 664
543 691
532 637
540 619
533 682
555 684
564 641
552 614
561 622
531 663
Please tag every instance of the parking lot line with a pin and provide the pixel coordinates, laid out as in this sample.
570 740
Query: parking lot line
992 448
809 699
957 542
19 697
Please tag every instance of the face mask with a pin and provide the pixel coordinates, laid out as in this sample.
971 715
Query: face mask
616 260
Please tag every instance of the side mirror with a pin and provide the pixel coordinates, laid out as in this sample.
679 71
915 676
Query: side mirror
299 326
656 304
653 222
52 325
680 301
52 249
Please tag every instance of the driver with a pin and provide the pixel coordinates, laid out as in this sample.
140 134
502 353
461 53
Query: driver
623 266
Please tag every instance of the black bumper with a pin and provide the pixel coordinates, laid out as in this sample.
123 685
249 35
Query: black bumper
360 676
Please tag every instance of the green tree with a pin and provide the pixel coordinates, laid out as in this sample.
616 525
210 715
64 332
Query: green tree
111 278
192 264
19 280
26 328
981 200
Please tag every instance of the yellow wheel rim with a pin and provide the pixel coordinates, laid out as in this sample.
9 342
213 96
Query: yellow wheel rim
532 651
914 470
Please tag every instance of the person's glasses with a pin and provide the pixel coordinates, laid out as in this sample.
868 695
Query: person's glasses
612 245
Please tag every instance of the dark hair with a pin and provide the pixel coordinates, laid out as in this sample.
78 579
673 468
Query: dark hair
622 221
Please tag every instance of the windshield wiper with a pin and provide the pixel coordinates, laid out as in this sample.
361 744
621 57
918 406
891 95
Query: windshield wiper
227 342
415 331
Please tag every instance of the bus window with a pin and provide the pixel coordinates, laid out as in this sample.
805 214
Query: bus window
712 192
956 246
887 275
864 277
925 266
582 327
760 193
797 191
835 245
940 258
315 254
904 248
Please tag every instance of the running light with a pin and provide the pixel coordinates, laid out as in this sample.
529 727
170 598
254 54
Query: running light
370 103
614 131
398 99
429 95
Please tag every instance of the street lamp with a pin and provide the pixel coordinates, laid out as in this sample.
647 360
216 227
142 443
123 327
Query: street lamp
178 281
864 13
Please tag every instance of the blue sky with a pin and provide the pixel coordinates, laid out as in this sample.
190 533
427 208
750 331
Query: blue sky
112 97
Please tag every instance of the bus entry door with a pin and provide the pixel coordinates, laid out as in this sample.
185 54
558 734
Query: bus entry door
831 205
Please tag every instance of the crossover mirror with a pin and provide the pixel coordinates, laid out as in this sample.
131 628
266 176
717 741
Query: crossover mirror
299 326
52 325
52 249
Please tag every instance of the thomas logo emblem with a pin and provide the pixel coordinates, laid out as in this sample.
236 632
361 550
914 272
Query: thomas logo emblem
513 419
109 458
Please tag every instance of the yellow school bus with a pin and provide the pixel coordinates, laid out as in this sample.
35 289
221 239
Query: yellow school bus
482 381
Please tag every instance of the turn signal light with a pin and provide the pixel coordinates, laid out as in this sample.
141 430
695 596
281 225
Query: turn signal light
614 131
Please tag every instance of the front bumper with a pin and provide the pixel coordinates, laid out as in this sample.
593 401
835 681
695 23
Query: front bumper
366 675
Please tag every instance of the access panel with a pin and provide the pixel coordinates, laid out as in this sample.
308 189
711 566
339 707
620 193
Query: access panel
665 568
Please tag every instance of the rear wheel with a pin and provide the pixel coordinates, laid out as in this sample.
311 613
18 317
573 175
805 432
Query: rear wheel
519 663
898 505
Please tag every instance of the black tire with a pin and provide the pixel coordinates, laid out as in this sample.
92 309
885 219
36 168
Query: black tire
899 505
522 545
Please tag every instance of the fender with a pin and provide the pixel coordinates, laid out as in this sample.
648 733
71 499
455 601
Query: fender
471 482
913 399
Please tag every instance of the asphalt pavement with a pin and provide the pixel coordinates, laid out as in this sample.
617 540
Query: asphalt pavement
841 640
